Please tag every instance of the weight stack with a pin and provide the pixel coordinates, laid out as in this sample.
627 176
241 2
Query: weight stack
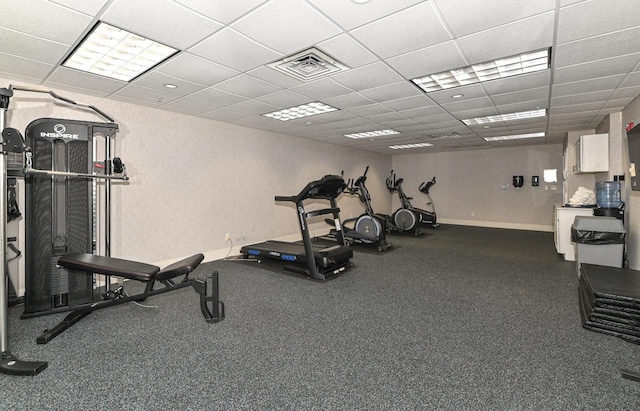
59 213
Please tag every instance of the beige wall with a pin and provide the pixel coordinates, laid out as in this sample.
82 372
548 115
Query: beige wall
193 180
468 185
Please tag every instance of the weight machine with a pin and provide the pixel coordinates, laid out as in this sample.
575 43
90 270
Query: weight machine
57 161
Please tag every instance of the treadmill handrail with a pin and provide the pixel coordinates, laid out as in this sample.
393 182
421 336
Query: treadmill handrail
311 190
285 198
323 211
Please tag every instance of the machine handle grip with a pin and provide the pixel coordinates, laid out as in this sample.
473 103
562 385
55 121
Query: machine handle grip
285 198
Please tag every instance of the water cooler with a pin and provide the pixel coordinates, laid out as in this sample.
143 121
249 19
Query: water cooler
608 200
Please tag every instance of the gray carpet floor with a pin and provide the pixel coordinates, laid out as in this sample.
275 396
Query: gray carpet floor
467 318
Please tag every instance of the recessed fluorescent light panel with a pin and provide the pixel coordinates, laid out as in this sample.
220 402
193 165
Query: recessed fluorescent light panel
506 117
403 146
515 137
115 53
504 67
372 134
305 110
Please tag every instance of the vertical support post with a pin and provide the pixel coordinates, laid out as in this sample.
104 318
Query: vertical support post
4 300
107 205
336 218
8 363
306 240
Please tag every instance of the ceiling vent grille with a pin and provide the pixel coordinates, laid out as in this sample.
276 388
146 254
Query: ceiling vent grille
308 65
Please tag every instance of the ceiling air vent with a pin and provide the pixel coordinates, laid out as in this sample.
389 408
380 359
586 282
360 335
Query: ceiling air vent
308 65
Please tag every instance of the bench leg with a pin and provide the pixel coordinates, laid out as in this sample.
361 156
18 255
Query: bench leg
69 320
216 312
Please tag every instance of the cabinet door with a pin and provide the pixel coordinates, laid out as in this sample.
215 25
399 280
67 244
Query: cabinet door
592 153
566 215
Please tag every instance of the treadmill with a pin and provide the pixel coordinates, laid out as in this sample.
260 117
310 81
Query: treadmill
318 263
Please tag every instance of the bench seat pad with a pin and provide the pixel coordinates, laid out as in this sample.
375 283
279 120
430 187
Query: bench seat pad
99 264
133 270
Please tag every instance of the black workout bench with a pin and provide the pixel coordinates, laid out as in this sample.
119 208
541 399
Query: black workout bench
146 273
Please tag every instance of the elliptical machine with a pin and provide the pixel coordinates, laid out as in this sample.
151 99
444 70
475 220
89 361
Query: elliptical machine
408 218
425 187
368 228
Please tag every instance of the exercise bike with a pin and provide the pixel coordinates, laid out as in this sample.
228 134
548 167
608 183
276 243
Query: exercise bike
368 228
408 218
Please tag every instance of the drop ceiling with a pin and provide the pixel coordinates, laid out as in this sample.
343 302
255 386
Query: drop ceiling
223 70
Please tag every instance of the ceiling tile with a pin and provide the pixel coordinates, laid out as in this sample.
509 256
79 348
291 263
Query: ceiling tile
39 18
284 99
523 106
90 7
362 78
187 106
30 47
517 83
414 28
195 69
350 15
347 51
623 102
455 107
247 86
478 112
439 121
347 101
309 26
577 108
125 14
156 81
392 91
18 77
273 76
541 93
596 69
633 79
143 95
598 48
530 34
385 117
218 97
595 18
321 89
232 49
469 92
626 92
581 98
585 86
241 110
487 13
415 102
70 77
24 67
223 11
370 110
429 60
423 112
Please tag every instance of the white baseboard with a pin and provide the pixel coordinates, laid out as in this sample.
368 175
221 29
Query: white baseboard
496 224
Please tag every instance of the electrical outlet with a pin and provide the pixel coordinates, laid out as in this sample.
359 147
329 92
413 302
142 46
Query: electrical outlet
227 237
